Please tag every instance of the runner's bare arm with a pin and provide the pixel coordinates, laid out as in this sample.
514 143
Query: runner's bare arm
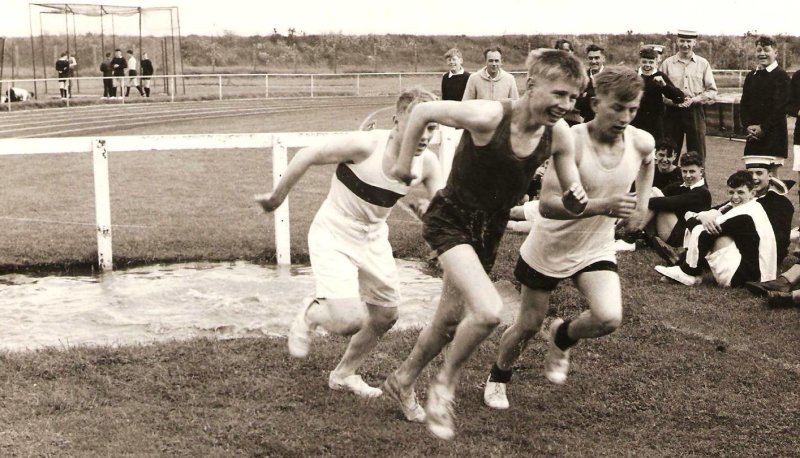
432 174
564 162
351 148
645 144
479 117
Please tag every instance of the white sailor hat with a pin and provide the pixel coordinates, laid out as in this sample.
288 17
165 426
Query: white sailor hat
761 162
687 34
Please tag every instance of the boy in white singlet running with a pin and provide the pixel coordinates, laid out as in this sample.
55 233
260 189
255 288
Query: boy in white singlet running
610 154
357 284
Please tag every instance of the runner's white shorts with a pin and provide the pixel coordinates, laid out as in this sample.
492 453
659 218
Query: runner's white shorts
724 263
351 259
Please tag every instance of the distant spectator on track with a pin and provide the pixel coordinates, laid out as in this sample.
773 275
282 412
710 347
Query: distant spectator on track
147 72
454 82
118 66
108 83
62 69
657 86
17 94
765 94
596 59
133 80
491 82
691 74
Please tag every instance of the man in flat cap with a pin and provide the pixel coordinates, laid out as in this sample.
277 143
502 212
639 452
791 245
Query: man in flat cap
692 74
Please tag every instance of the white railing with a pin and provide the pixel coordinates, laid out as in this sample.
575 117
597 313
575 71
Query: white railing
101 146
268 85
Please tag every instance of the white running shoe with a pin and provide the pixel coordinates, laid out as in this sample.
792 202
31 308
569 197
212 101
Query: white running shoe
494 395
409 405
439 411
677 274
353 383
556 362
300 331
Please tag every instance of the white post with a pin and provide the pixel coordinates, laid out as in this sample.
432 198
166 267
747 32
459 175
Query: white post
172 89
121 94
219 82
102 204
447 148
282 238
358 85
266 86
400 81
312 85
8 98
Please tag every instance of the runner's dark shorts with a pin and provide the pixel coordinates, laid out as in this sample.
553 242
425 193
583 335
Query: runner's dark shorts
449 223
534 279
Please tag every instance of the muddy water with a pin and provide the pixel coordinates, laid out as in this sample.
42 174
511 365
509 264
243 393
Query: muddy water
156 303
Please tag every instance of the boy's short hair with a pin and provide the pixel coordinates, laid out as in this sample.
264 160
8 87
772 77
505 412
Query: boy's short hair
691 158
490 49
594 47
648 53
550 64
622 82
766 40
453 52
666 144
412 96
130 52
741 178
561 42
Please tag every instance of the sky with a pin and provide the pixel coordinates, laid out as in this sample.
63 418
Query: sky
437 17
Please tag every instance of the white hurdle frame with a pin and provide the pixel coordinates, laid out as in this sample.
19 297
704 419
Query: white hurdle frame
101 147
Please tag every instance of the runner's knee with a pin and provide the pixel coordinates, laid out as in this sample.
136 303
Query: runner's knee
608 322
381 319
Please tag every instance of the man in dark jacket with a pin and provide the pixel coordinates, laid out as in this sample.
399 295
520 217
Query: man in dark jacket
118 66
147 72
596 57
763 105
454 82
105 68
657 85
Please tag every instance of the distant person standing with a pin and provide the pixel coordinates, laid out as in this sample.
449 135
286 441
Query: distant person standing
657 86
107 71
118 66
62 69
765 94
596 59
692 74
491 82
454 82
147 72
132 75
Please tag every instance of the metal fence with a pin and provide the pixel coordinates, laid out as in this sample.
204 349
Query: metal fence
222 86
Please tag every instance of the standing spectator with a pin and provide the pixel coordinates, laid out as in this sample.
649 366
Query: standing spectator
72 72
62 68
596 56
763 106
563 44
793 109
491 82
657 86
105 68
118 66
147 72
132 75
454 82
692 74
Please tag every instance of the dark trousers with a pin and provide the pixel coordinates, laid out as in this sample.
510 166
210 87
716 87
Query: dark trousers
108 86
690 123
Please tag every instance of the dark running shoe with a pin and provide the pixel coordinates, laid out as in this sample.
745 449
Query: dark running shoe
780 284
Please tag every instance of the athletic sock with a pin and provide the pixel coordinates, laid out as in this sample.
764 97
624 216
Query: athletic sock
147 92
562 338
141 92
498 375
127 91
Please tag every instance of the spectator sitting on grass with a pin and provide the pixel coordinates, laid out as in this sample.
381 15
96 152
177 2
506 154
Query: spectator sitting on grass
742 250
666 170
667 209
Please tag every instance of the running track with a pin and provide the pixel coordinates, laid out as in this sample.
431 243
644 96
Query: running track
104 118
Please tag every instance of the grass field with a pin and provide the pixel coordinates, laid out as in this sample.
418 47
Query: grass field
693 371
